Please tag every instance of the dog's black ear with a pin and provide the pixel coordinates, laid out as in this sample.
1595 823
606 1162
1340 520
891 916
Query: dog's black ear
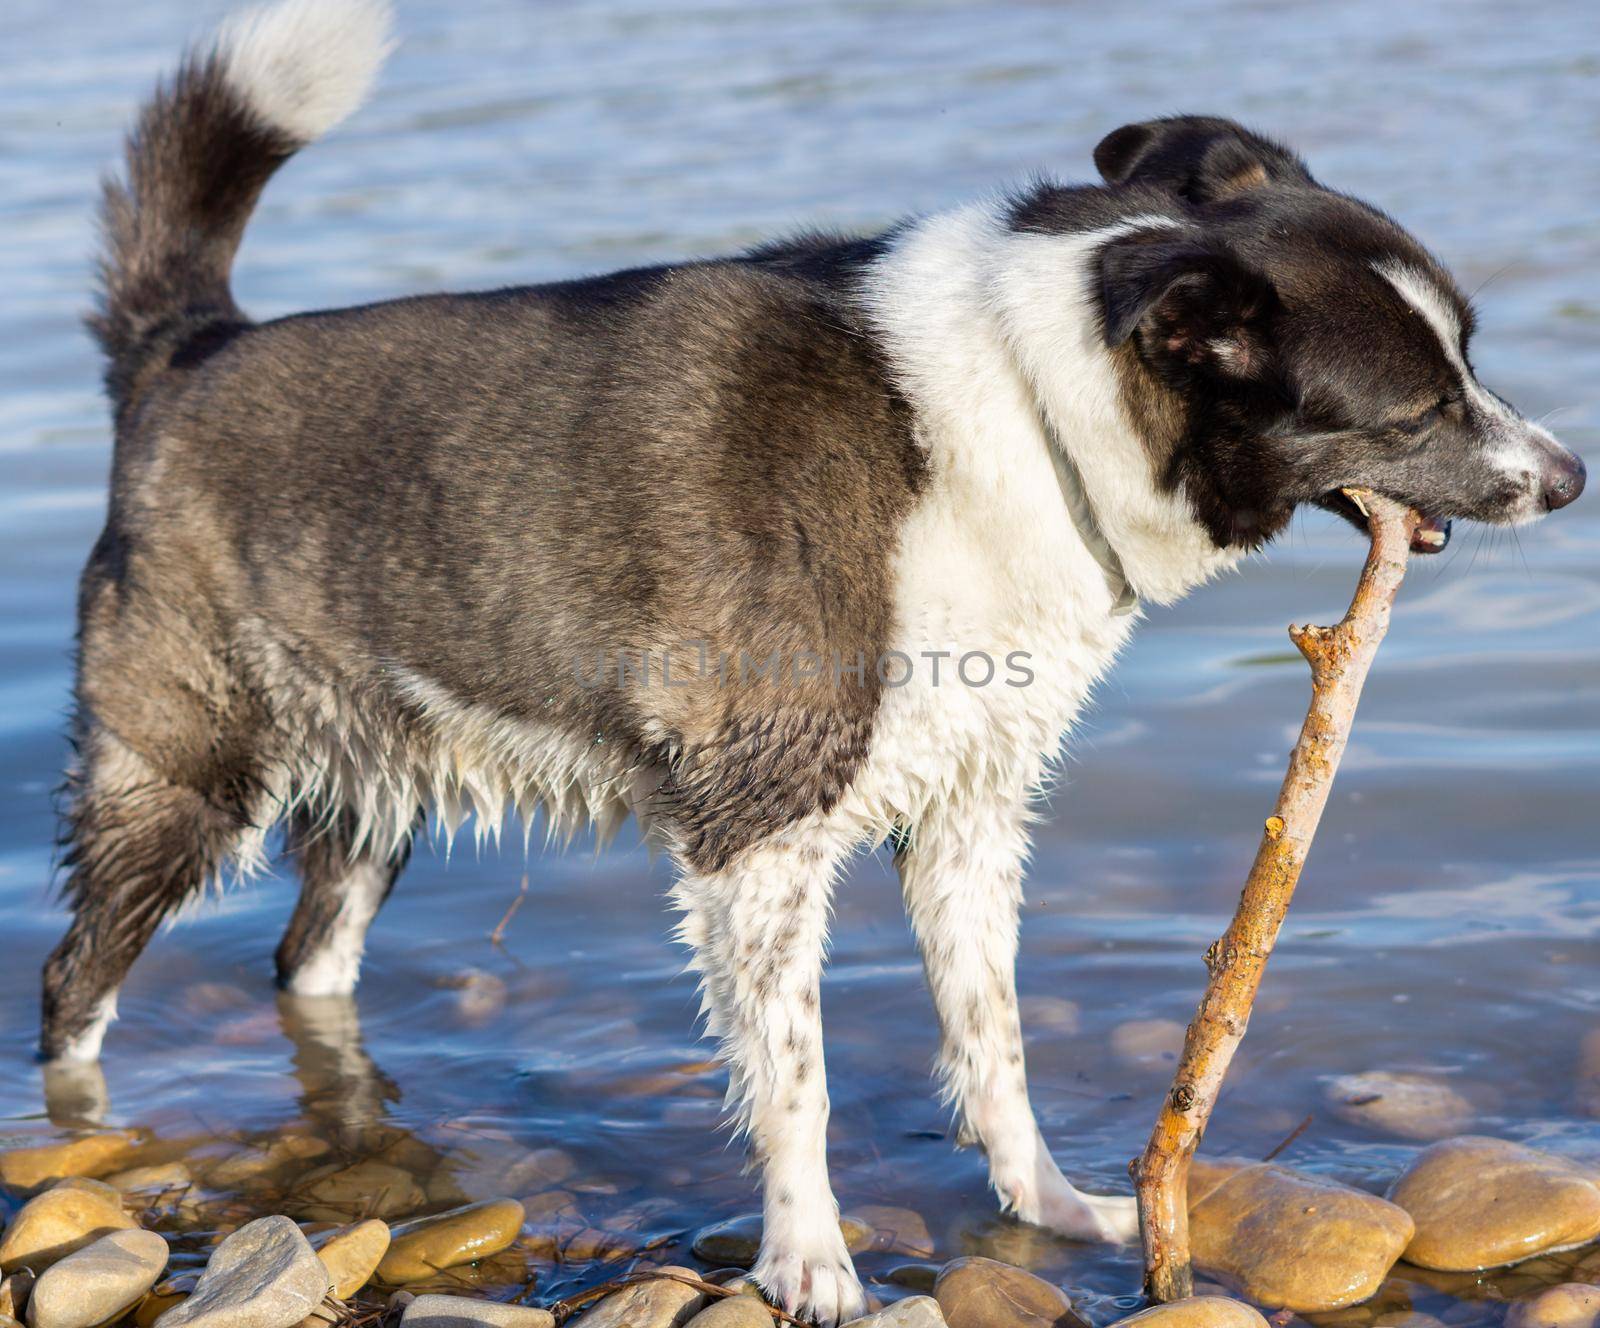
1194 307
1201 157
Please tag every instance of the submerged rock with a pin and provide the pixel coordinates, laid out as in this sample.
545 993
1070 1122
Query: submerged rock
152 1179
366 1189
71 1214
1148 1042
99 1283
896 1230
736 1242
913 1312
1570 1305
975 1292
1480 1203
1296 1242
352 1254
93 1155
265 1275
419 1249
1411 1106
459 1312
659 1303
1196 1312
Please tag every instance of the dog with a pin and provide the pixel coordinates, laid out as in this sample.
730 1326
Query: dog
813 548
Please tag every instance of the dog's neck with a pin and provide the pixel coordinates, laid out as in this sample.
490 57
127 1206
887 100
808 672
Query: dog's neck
982 322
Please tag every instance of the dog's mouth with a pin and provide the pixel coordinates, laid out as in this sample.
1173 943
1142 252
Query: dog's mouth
1433 532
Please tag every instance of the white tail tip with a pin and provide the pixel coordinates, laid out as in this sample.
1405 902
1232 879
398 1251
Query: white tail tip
304 65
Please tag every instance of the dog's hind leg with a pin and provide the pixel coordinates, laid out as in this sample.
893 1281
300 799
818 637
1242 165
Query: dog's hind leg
139 843
961 874
759 928
343 883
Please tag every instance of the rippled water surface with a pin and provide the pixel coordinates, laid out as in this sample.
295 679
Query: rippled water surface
1448 921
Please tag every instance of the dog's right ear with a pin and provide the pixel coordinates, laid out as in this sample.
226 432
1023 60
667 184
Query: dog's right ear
1201 157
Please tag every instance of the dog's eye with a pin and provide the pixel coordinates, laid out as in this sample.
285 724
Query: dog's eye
1417 423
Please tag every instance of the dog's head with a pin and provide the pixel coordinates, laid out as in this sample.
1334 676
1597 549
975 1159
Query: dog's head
1281 341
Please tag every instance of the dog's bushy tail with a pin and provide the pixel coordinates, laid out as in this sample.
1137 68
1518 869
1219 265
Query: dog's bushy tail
202 149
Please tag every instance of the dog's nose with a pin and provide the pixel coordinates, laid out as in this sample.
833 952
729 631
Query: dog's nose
1563 479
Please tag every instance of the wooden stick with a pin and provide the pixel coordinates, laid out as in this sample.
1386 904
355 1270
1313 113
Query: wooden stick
1339 658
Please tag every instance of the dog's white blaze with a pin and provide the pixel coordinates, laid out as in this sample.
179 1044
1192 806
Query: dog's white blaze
86 1046
304 65
1515 451
334 965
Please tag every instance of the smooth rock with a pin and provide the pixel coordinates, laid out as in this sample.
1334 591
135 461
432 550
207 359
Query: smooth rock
1480 1203
739 1311
14 1291
66 1217
92 1155
365 1189
265 1275
258 1163
158 1179
459 1312
975 1292
419 1249
737 1241
99 1283
896 1230
662 1303
1050 1014
1569 1305
352 1254
1197 1312
1410 1106
6 1321
1148 1042
1289 1241
913 1312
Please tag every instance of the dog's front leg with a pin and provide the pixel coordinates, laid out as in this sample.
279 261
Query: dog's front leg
961 874
758 928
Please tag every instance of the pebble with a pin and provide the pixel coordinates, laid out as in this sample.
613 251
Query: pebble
265 1275
734 1312
661 1303
479 996
459 1312
1289 1241
913 1312
737 1241
14 1289
1569 1305
1148 1042
255 1163
975 1292
1050 1014
896 1230
92 1155
158 1179
1197 1312
352 1254
99 1283
421 1248
1480 1203
71 1214
1409 1106
366 1189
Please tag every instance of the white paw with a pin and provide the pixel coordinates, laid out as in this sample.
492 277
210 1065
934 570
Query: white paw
1112 1219
819 1287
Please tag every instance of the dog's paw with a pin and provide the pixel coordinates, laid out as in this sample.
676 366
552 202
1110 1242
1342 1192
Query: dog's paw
819 1287
1112 1219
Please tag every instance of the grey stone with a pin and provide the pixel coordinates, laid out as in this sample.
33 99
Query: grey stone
458 1312
660 1303
913 1312
98 1283
265 1275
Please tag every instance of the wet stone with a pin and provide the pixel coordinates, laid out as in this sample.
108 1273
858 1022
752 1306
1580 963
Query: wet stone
975 1292
152 1180
460 1312
1570 1305
913 1312
918 1277
260 1163
1148 1042
352 1254
1409 1106
737 1241
1289 1241
896 1230
1196 1312
1480 1203
265 1275
71 1214
419 1249
661 1303
366 1189
1050 1014
99 1283
93 1155
739 1311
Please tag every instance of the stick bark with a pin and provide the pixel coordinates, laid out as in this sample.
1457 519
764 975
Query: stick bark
1339 657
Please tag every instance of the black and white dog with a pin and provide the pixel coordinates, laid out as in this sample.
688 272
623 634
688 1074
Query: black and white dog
785 554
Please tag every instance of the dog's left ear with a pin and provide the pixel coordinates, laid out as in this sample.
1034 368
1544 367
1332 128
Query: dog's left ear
1193 307
1202 157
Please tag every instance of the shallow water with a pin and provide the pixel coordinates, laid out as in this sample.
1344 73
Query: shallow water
1449 918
